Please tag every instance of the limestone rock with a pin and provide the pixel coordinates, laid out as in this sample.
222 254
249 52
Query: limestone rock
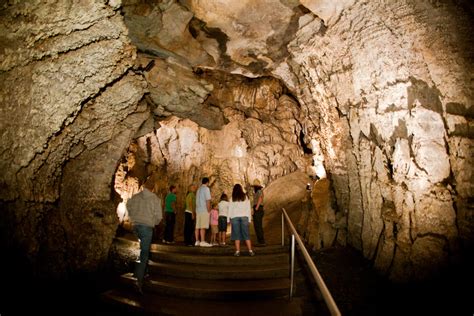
175 89
68 103
386 84
329 11
161 30
371 97
251 34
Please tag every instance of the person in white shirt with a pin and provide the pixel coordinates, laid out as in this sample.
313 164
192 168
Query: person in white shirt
203 208
240 216
223 207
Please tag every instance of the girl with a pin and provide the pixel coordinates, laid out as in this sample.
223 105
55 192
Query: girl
214 215
223 213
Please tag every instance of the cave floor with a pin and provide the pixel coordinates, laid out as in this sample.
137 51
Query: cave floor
359 290
356 287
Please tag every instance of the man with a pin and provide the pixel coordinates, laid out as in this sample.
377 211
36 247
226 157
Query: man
144 210
258 213
190 215
203 209
170 215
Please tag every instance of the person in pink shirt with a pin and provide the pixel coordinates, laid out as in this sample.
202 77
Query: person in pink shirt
214 221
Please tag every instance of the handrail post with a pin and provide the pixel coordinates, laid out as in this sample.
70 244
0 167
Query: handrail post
282 229
331 304
292 265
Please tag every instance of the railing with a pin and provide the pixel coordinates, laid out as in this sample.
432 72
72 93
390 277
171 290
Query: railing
331 304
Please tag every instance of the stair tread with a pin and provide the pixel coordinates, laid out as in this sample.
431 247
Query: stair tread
215 250
209 259
217 285
166 305
223 269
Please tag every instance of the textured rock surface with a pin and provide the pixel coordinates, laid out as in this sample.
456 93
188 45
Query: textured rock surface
384 84
260 141
69 106
378 94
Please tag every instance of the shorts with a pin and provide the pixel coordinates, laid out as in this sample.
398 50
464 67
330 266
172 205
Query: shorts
240 228
222 223
202 220
214 229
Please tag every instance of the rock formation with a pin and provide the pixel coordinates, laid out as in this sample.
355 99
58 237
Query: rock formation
375 98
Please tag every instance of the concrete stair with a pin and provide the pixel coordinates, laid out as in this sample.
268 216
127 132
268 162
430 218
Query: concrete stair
199 278
225 272
125 302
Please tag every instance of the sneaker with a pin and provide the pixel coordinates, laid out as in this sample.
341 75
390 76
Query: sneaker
205 244
237 254
197 243
215 244
251 253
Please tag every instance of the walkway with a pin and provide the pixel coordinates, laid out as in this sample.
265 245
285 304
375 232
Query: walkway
207 281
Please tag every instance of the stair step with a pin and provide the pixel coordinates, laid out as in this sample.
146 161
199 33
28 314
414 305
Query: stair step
215 250
242 272
214 289
165 305
229 260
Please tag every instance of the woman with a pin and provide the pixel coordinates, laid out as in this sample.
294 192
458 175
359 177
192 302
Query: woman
240 217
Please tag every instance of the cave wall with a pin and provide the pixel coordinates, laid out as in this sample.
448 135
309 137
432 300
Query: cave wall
381 92
70 105
390 85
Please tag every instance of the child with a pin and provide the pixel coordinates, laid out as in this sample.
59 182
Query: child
214 215
223 213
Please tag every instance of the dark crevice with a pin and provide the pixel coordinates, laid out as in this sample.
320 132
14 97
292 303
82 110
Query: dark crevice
380 241
149 66
428 97
412 154
375 136
278 44
306 149
390 168
148 150
195 26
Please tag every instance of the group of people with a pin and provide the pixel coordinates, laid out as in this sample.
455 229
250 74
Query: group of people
145 211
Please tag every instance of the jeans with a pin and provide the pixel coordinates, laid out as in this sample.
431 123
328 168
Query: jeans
170 219
144 234
240 228
188 228
258 225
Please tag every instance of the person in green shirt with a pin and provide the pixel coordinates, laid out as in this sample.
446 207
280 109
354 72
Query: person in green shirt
190 215
170 215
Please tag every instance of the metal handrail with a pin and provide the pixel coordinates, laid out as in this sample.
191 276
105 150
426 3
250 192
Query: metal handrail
331 304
